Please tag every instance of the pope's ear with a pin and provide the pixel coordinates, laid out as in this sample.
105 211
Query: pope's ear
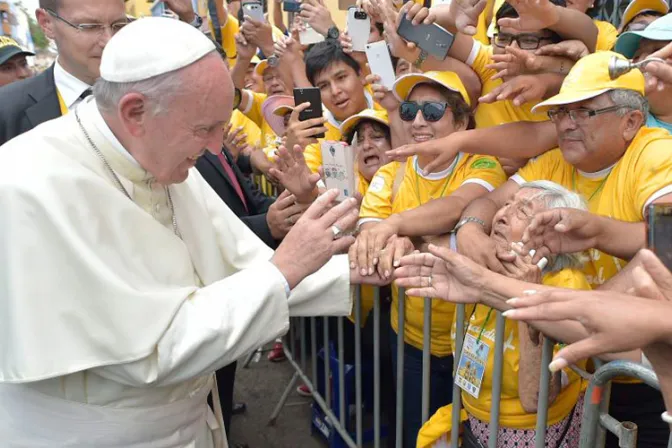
133 113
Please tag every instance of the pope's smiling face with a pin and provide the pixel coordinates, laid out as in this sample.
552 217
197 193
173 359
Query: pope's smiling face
168 142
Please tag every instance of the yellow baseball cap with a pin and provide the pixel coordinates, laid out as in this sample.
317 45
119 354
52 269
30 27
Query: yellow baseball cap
637 7
590 78
404 85
261 67
367 114
255 60
10 48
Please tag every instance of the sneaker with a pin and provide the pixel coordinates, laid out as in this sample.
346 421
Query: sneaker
303 391
277 354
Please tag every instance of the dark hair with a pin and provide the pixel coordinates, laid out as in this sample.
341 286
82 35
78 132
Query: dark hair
508 11
456 103
323 54
49 4
380 27
377 126
646 13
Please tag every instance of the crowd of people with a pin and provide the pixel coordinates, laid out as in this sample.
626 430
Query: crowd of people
515 175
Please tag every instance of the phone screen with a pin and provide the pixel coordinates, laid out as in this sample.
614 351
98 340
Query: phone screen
659 232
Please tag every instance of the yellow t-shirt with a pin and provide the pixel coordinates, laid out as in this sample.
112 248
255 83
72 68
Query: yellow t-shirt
483 24
229 31
606 35
512 414
253 112
499 112
414 190
643 174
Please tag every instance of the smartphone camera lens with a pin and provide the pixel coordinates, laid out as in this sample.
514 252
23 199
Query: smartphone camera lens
360 15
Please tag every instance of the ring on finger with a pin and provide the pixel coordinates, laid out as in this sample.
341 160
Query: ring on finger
336 231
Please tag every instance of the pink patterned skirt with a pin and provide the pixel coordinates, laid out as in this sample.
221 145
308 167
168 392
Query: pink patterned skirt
569 427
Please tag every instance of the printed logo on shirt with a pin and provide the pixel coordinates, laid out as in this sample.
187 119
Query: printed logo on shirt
377 184
484 164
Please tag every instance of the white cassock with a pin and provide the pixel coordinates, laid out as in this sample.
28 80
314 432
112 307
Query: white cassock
111 326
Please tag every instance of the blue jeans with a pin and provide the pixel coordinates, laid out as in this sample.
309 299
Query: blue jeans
440 386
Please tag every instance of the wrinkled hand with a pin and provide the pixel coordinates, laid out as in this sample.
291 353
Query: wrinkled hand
366 252
440 151
293 173
381 94
288 51
466 13
244 49
561 231
311 243
235 140
521 267
514 62
475 244
533 15
399 47
259 34
520 90
390 257
283 214
183 9
616 322
303 133
442 273
317 15
572 49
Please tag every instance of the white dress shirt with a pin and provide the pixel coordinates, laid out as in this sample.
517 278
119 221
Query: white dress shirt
69 87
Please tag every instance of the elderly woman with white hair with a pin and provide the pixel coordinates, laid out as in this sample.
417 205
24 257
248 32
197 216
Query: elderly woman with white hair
522 345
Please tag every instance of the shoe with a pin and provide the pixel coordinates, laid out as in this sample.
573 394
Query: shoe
303 391
238 408
277 354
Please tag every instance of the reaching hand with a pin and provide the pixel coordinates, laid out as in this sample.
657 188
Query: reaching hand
391 255
235 140
381 94
288 51
311 243
466 13
533 15
244 49
514 62
520 90
293 173
659 74
442 273
317 15
259 34
183 8
283 214
572 49
439 151
475 244
561 231
366 251
616 322
418 14
303 133
521 267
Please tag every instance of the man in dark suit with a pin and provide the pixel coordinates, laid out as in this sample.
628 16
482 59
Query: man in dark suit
268 218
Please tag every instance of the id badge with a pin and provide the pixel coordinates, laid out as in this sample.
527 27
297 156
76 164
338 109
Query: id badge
471 367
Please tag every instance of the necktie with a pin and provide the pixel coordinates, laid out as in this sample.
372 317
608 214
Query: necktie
234 180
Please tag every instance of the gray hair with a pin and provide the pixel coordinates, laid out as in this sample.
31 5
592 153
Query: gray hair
630 100
552 196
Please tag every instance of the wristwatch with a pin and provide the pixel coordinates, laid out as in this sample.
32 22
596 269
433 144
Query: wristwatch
467 220
237 98
197 22
333 33
421 58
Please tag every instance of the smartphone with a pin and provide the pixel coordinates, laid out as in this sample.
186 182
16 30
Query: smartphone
338 164
291 6
254 10
434 39
158 8
344 5
659 232
380 62
359 28
309 36
309 95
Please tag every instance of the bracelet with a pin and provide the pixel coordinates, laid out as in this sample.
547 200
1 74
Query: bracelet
421 58
667 418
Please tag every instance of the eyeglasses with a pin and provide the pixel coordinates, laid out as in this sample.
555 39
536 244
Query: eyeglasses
432 111
94 29
525 41
582 114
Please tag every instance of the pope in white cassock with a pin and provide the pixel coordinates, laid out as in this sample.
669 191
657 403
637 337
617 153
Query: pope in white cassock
125 281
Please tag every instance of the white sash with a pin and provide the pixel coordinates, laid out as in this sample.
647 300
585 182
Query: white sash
31 419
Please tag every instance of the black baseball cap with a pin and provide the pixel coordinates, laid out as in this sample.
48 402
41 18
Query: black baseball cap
10 48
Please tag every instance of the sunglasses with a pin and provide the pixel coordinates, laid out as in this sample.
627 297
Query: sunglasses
432 111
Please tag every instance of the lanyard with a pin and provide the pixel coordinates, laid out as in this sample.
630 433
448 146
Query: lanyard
485 324
61 103
599 187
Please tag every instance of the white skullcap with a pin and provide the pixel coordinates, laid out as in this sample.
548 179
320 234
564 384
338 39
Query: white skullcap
152 46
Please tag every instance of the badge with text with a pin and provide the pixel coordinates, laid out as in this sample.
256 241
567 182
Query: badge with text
472 364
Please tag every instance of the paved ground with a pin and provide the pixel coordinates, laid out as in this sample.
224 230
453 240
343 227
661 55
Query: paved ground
260 386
